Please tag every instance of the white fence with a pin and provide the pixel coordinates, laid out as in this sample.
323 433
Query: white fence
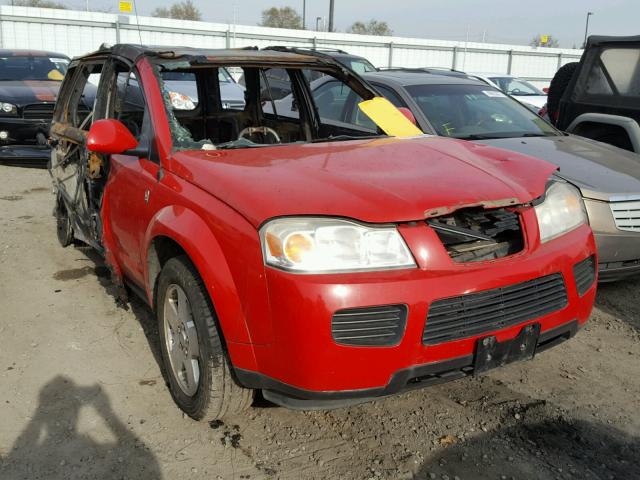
75 33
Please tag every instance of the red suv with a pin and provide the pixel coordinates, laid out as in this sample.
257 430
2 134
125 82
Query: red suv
307 255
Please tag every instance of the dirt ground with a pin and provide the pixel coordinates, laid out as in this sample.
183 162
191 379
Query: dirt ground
82 395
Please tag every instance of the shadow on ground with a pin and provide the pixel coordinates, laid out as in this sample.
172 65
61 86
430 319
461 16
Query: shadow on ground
140 309
52 446
545 448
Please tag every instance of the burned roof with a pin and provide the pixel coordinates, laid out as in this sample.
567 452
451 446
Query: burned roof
278 55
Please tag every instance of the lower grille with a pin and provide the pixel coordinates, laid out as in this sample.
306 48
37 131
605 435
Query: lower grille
584 274
626 214
38 111
370 326
476 313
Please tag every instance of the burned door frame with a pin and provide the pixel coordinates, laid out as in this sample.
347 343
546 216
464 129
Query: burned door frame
79 175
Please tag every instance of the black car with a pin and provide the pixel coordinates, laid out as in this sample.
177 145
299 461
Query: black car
355 62
29 83
599 97
276 81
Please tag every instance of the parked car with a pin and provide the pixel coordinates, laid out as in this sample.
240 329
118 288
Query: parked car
184 90
599 97
29 83
608 177
520 89
313 259
277 79
355 62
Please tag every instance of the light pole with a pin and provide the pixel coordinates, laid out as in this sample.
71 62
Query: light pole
331 15
304 14
586 29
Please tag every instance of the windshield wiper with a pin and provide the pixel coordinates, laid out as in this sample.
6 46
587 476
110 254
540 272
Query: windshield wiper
341 138
495 136
480 136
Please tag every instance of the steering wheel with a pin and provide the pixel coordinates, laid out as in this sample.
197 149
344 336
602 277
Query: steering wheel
263 130
515 91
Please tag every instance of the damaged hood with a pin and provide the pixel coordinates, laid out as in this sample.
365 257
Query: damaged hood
599 170
377 181
29 91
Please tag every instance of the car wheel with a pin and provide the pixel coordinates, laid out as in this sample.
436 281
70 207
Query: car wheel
197 368
557 88
63 224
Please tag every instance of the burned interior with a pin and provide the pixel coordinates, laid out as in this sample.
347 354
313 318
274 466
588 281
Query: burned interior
476 234
279 104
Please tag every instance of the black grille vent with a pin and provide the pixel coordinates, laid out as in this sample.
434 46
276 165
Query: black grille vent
584 273
476 313
38 111
371 326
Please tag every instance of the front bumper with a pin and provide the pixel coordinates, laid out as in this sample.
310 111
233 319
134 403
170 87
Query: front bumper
26 142
618 250
418 376
303 361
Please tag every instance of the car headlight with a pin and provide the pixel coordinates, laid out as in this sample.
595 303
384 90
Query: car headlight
561 211
8 108
317 245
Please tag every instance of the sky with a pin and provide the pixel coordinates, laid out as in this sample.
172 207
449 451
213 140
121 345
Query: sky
499 21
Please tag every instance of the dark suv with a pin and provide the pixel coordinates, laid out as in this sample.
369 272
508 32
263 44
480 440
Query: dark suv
599 97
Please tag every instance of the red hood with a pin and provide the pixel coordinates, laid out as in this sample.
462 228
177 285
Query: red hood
377 181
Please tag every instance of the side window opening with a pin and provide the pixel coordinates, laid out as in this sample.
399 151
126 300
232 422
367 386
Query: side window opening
129 105
83 98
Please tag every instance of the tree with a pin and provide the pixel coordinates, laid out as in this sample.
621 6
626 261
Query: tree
285 17
39 4
373 27
185 10
550 41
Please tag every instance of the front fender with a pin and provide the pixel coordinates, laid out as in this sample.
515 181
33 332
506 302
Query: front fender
192 233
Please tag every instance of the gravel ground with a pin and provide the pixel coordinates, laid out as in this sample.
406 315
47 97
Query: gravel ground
82 394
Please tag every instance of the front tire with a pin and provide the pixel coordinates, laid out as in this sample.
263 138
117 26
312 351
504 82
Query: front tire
64 229
198 371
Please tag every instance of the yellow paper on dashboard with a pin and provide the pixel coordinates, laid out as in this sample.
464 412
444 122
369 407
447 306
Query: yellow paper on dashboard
389 118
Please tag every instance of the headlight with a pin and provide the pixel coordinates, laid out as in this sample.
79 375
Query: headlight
561 211
8 108
316 245
181 102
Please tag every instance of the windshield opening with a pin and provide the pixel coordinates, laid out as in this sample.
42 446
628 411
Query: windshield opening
516 86
476 112
208 110
30 67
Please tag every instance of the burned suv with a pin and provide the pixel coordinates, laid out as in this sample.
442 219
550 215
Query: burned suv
299 253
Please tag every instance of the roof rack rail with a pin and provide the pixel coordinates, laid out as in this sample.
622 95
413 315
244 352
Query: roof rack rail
420 69
324 49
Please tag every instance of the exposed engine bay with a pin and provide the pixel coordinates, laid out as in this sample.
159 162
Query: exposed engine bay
476 234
